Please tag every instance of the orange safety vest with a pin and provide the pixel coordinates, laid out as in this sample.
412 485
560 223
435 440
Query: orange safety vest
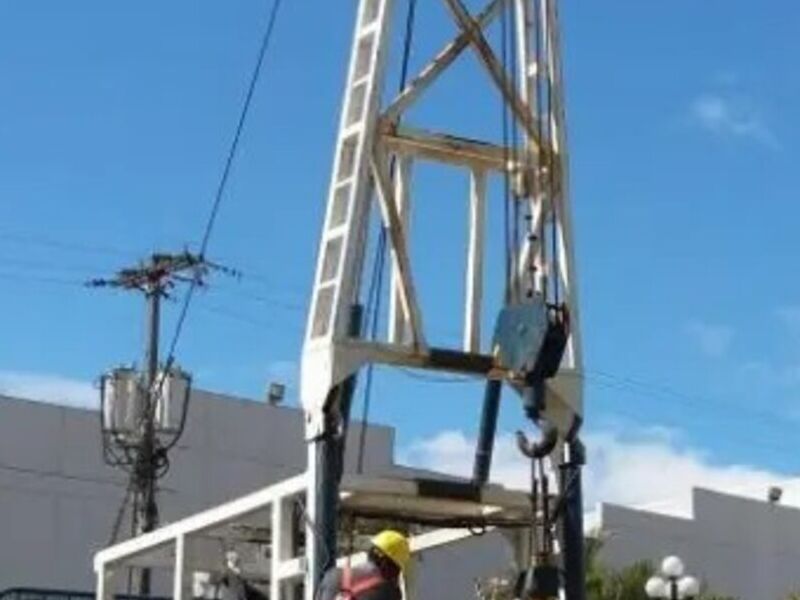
350 590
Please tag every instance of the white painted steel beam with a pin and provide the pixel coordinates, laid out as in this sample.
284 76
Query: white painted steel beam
181 573
486 55
106 582
189 550
475 253
400 259
369 136
440 63
208 519
341 251
282 532
447 149
399 325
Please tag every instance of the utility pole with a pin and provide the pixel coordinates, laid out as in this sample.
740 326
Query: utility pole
143 449
146 471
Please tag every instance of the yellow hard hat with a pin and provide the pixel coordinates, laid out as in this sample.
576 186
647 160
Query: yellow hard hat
395 546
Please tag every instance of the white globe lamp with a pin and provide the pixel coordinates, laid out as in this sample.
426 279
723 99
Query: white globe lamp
656 588
688 587
672 567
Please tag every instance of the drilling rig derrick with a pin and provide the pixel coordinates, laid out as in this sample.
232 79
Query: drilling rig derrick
535 347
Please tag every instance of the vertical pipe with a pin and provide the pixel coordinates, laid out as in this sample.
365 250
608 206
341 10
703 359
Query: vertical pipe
572 525
106 581
181 582
326 466
475 252
281 547
483 451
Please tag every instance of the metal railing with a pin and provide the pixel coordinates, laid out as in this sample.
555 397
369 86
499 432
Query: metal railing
30 593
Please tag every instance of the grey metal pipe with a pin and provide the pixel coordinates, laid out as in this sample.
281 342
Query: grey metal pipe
487 433
572 522
330 456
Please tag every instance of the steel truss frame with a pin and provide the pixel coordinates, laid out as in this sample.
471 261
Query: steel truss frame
371 139
262 528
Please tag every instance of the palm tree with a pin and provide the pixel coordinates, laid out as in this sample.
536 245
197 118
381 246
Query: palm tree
603 583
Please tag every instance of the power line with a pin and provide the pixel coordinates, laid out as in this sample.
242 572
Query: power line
43 474
240 126
243 318
225 175
115 529
24 277
271 302
40 265
731 438
642 389
252 275
656 390
48 242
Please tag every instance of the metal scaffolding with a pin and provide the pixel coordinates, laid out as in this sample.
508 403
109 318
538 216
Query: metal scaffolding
264 531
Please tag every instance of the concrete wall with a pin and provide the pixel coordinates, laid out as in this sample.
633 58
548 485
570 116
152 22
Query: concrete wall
451 572
741 547
58 500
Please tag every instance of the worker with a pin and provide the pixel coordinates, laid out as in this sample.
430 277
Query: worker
379 579
233 585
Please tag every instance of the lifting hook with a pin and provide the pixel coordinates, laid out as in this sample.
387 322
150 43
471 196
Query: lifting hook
545 445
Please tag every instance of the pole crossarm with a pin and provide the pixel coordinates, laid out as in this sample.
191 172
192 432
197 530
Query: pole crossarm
161 271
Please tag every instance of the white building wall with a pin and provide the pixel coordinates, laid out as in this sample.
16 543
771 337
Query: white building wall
738 546
58 500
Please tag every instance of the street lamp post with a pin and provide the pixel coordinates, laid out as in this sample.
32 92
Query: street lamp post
671 583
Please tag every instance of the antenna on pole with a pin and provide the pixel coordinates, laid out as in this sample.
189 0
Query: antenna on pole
144 411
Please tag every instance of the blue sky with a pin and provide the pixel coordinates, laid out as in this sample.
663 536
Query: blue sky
115 119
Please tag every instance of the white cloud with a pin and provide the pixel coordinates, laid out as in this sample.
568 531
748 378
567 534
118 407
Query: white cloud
452 452
49 388
651 471
713 340
646 469
723 116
